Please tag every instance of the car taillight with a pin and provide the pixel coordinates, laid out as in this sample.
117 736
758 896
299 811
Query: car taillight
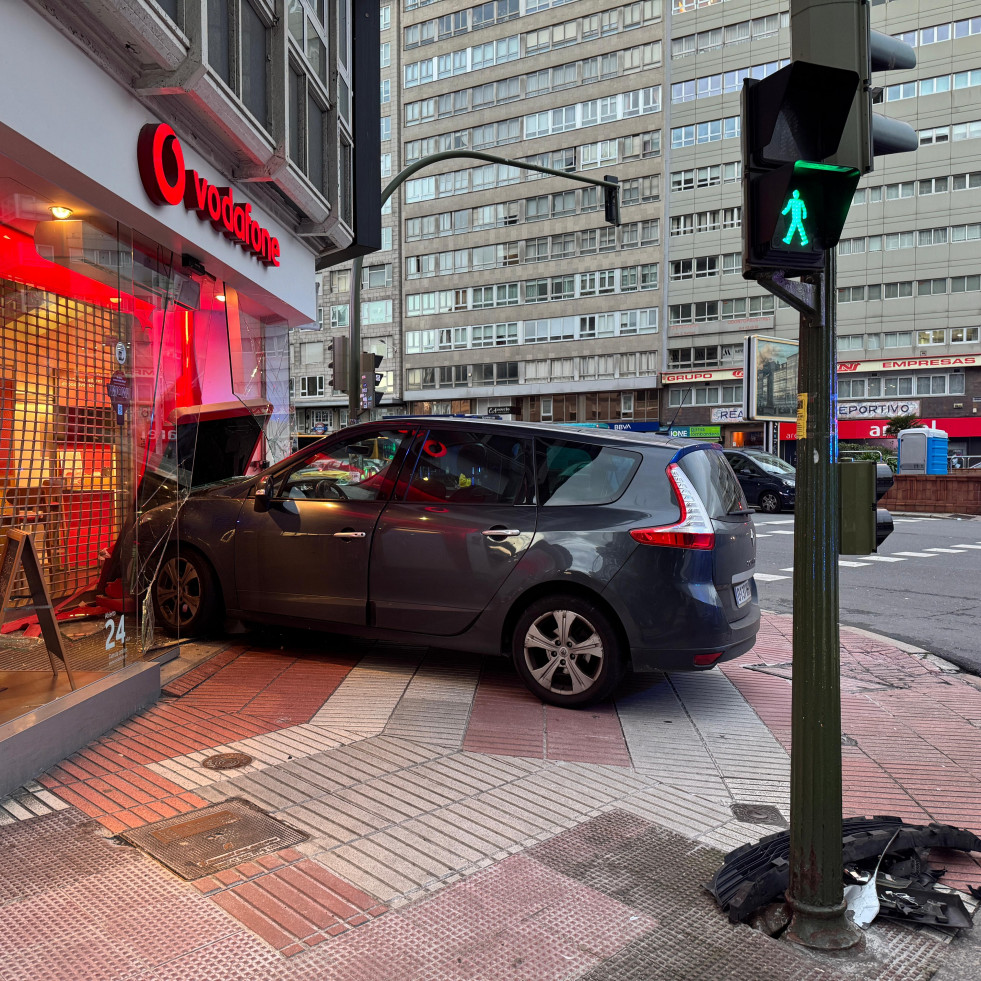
694 528
706 660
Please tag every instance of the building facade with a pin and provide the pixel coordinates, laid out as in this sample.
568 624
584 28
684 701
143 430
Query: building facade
171 174
504 290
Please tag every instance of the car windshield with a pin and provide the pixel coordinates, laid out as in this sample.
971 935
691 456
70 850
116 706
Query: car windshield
773 465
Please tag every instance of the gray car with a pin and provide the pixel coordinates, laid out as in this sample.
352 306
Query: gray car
579 552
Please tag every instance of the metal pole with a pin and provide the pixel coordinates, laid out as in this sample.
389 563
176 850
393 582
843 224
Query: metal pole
816 891
354 303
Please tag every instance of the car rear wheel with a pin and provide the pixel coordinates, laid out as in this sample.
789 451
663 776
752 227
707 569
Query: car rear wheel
185 593
567 651
769 502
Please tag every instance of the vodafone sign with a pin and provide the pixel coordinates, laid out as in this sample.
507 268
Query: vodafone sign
166 181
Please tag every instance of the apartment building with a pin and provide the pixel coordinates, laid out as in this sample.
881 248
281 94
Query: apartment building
505 290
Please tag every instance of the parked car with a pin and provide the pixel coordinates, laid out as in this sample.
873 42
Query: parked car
579 552
767 481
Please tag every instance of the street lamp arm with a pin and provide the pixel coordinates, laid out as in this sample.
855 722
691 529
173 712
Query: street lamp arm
354 314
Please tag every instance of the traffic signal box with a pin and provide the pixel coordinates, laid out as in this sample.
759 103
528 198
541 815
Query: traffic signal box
371 378
794 203
864 526
338 363
611 200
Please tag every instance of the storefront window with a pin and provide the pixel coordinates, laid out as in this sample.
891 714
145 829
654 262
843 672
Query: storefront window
127 380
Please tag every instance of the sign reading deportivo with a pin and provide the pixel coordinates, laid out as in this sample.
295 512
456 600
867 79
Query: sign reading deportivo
878 410
166 181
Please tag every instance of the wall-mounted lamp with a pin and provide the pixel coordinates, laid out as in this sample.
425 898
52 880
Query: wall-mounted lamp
59 212
220 297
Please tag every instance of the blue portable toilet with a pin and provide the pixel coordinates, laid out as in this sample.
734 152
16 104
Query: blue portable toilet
922 451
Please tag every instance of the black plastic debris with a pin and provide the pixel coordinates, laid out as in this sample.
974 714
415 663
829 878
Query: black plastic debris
757 874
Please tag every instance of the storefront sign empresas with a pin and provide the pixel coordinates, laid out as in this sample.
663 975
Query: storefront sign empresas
166 181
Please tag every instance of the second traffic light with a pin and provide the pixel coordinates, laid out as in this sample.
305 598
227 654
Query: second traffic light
611 200
864 525
338 362
794 204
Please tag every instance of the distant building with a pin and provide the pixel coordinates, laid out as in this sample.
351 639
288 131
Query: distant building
502 290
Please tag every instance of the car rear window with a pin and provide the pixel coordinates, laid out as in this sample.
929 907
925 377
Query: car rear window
570 472
714 481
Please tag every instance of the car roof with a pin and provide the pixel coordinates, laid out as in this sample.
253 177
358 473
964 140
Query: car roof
623 436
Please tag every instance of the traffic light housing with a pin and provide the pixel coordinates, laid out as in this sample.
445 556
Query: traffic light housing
794 202
611 200
838 33
371 378
338 363
864 525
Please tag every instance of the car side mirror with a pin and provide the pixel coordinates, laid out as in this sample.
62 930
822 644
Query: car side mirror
263 493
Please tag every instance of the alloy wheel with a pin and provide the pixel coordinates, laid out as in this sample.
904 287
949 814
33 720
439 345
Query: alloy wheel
564 652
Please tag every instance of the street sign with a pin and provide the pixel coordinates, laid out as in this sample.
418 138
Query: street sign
770 375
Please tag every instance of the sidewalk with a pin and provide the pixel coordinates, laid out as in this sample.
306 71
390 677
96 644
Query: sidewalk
458 828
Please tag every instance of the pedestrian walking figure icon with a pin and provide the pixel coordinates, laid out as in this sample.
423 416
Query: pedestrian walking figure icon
798 212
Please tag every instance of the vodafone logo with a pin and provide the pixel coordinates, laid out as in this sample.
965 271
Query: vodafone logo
167 181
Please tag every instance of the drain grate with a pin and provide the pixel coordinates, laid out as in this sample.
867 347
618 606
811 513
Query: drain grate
226 761
213 838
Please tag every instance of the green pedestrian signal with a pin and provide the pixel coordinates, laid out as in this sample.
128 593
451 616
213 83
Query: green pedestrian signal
797 210
794 203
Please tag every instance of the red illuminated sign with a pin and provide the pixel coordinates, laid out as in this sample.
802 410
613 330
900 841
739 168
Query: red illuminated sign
161 162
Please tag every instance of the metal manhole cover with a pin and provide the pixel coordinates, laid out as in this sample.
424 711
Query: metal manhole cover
213 838
226 761
758 814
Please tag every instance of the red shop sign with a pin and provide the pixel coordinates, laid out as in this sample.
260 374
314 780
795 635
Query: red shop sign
161 162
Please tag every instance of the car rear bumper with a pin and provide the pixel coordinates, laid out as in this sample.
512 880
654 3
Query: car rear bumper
743 639
672 611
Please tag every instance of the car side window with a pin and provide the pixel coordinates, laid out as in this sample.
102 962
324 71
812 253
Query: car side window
570 472
355 469
465 467
741 465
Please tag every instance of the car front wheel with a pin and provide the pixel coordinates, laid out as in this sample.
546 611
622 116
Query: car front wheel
567 651
769 502
185 593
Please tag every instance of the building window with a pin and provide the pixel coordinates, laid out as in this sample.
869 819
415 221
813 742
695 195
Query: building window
307 128
238 52
311 385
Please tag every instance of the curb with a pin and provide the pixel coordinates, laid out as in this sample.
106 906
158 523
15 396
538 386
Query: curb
946 667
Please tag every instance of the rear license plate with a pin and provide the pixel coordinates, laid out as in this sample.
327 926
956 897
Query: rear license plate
743 591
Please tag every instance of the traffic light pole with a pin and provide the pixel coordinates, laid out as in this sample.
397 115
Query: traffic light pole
815 893
611 191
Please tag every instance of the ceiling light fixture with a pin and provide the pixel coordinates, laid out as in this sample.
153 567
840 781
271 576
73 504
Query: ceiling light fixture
59 212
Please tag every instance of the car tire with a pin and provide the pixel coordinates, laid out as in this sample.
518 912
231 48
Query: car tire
769 502
185 593
557 672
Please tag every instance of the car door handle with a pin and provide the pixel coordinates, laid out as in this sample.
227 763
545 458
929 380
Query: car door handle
501 532
349 534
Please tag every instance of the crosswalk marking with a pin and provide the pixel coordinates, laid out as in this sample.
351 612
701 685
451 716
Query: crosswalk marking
767 577
966 546
883 558
791 569
919 555
850 564
781 531
777 521
949 551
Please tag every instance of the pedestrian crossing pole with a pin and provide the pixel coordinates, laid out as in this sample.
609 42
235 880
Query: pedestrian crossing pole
815 894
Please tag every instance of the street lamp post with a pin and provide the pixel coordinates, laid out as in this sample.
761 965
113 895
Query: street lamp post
611 190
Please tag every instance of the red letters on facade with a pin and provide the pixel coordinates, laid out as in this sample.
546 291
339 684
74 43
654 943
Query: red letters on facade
161 163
